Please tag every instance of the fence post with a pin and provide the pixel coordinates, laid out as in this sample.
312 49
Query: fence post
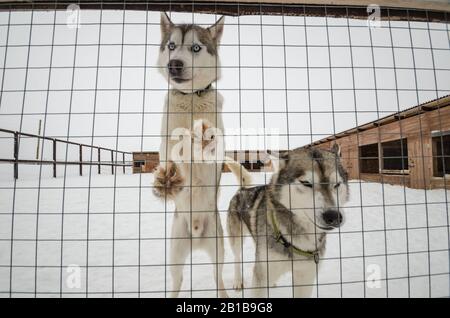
112 161
16 155
81 160
123 161
54 158
98 157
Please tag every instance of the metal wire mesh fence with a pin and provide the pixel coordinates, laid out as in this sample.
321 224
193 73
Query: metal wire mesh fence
290 76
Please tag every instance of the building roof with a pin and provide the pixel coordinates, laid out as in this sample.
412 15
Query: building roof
440 102
152 153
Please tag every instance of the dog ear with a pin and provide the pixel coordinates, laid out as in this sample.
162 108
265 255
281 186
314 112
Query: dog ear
336 149
216 30
165 23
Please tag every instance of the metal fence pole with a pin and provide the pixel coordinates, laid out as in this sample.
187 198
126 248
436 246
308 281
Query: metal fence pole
81 160
112 161
123 161
98 157
16 155
54 158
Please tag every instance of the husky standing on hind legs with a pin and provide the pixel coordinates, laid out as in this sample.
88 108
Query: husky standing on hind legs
188 60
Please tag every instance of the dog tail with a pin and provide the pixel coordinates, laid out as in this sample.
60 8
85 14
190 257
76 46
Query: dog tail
242 174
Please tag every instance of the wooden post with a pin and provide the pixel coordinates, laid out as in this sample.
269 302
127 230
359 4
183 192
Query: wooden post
99 165
123 161
54 158
112 160
16 155
380 156
81 160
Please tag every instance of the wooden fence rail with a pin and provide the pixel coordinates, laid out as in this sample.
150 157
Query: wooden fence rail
406 10
16 161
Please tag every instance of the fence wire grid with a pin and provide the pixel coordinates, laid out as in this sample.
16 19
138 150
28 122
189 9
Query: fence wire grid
82 104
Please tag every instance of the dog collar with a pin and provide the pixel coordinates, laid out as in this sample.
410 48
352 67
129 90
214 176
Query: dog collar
199 93
279 238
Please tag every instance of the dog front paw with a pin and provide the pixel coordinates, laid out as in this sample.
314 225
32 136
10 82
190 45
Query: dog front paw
202 133
168 181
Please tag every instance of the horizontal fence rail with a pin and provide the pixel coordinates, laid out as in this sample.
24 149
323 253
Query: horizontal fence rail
411 11
99 163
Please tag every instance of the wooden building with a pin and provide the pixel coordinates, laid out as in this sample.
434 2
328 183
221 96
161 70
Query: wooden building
145 161
411 147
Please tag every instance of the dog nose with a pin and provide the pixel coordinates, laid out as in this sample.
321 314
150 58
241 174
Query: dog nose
175 67
332 217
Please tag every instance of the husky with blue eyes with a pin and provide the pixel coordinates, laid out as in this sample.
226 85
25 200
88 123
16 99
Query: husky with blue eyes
188 56
289 219
189 61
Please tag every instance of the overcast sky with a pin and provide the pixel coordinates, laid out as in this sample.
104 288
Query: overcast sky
273 76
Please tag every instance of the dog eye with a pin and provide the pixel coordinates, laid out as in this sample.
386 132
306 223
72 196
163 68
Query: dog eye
196 48
306 183
337 185
171 46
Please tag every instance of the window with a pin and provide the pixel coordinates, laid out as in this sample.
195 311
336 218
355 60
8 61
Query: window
369 160
395 156
139 163
441 155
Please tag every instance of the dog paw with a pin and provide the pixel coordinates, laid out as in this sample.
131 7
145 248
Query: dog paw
201 134
168 181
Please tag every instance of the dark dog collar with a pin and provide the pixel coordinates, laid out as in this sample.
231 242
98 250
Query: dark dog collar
200 92
279 238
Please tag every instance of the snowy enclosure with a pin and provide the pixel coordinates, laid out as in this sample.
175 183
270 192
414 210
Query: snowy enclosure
403 231
299 78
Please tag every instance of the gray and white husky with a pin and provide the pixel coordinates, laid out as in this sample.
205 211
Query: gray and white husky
189 60
289 218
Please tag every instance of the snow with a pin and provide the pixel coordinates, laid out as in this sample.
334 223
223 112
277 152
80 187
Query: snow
127 226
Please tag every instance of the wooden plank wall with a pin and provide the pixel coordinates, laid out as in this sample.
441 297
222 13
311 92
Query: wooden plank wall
417 130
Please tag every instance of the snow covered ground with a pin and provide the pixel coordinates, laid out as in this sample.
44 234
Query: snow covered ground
126 227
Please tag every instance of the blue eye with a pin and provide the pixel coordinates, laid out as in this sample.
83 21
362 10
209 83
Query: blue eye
171 46
196 48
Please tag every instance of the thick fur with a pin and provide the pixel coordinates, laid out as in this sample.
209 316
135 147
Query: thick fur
298 210
196 222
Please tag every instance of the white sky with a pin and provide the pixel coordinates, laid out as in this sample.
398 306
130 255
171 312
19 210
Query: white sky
270 85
